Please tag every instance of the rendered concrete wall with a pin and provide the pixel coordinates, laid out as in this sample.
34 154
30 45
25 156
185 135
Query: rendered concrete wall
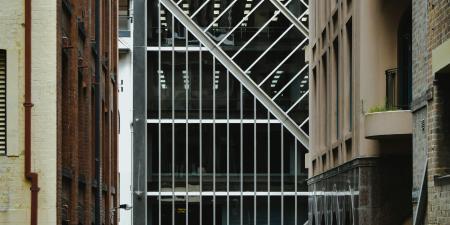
44 132
388 124
14 189
379 168
374 27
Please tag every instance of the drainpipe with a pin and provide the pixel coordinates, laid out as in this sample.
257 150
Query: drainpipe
30 176
97 114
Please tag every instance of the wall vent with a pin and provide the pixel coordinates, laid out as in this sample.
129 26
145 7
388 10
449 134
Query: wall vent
2 102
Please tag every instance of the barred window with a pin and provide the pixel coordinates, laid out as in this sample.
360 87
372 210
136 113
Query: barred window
2 102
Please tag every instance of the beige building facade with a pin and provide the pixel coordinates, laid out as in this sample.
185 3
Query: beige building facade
360 118
15 194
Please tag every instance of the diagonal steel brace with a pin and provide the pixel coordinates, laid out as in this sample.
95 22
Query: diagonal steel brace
218 53
290 17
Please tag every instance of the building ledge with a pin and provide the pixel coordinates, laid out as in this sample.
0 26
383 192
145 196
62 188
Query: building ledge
442 180
388 124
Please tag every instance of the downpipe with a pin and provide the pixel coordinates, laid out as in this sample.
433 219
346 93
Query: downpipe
30 176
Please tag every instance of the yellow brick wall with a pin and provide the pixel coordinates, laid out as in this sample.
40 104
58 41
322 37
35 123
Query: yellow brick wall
14 189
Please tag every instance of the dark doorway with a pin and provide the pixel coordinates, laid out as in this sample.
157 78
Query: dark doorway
404 60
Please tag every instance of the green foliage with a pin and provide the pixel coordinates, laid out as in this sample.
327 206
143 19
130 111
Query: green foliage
382 108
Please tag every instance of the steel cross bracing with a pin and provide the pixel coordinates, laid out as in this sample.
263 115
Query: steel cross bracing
240 73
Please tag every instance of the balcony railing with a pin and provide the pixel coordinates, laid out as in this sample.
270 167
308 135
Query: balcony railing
391 88
395 91
394 119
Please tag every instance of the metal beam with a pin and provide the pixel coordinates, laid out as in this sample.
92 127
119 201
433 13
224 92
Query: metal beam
139 124
251 86
199 9
282 62
288 83
290 17
253 193
240 22
269 48
259 31
298 101
220 15
304 122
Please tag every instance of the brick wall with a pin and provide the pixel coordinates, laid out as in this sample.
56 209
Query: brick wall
62 116
420 68
77 183
431 27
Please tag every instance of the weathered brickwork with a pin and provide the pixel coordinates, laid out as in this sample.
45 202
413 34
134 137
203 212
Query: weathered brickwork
420 151
431 28
62 123
77 185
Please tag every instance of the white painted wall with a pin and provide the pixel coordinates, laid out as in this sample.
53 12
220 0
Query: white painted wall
14 189
126 116
125 144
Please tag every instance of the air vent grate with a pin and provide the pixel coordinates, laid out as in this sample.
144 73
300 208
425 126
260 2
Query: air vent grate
2 102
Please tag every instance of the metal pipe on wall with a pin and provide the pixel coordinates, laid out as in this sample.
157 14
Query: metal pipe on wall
30 176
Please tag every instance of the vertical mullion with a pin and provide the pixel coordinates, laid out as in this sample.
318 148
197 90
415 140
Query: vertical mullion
159 73
295 180
241 147
282 174
228 147
268 167
254 161
173 120
186 87
200 131
214 139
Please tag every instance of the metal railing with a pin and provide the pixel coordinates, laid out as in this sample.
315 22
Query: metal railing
391 88
395 90
398 90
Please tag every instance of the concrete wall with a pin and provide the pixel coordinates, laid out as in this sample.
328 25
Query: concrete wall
14 189
379 168
372 51
44 133
375 51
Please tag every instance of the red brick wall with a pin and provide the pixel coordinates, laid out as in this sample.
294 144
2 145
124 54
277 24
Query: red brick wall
76 148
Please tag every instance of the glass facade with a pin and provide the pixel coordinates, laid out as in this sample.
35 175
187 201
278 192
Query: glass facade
215 153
